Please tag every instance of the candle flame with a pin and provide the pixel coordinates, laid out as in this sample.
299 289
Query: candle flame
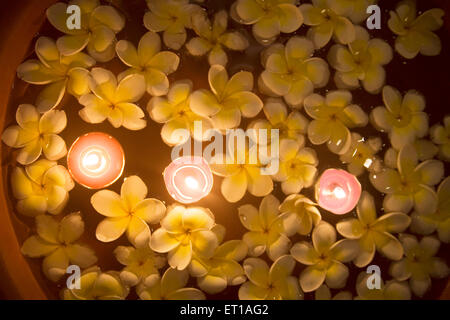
191 183
339 193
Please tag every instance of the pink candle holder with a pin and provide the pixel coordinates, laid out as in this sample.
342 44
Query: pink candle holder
95 160
188 179
338 191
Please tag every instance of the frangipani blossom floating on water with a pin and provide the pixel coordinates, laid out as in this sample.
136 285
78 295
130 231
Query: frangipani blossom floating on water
129 212
374 233
174 111
56 241
291 71
99 26
59 73
402 118
265 227
327 19
222 269
36 134
268 18
415 34
297 167
141 264
419 264
213 37
185 232
362 63
148 59
361 155
274 283
239 178
290 126
324 258
410 186
172 286
97 285
333 115
441 136
299 215
114 101
172 17
228 100
41 187
426 150
392 290
439 220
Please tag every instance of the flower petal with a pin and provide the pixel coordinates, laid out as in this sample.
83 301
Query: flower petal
111 229
108 203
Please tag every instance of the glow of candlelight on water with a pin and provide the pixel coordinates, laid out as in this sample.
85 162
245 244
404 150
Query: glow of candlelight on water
188 179
95 160
338 191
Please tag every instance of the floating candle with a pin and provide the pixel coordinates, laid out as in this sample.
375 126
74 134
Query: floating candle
338 191
188 179
95 160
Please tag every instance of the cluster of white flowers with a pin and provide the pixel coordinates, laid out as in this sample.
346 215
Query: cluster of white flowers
187 241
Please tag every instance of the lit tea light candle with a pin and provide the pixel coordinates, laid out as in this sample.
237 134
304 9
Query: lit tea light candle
338 191
95 160
188 179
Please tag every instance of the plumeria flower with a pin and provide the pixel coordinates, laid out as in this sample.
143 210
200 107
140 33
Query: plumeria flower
242 177
114 101
324 293
441 136
362 63
426 150
57 242
299 214
141 264
355 10
35 134
292 72
41 187
268 18
172 286
392 290
172 17
291 125
374 233
361 155
324 258
298 167
99 26
274 283
439 220
415 34
57 72
411 185
97 285
129 212
183 233
265 227
222 269
228 100
419 264
174 111
401 117
333 116
148 60
212 38
327 19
